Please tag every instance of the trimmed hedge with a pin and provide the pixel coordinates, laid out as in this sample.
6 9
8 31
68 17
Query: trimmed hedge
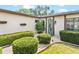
7 39
44 38
69 36
26 45
0 50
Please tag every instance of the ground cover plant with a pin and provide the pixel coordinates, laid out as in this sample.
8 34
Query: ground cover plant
59 48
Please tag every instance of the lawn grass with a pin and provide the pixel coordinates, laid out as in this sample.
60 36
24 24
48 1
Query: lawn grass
61 49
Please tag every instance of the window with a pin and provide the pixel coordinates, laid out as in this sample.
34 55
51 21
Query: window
36 21
23 24
3 22
72 23
76 24
69 24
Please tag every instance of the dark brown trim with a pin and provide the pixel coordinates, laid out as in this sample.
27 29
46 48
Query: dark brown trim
64 22
73 24
53 25
46 26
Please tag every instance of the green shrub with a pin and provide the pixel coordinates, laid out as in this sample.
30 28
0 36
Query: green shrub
7 39
44 38
0 50
25 45
40 26
69 36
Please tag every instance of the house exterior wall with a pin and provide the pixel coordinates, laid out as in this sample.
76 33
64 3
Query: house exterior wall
59 25
60 22
14 21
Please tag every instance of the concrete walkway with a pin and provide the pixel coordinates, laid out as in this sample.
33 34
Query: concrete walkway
56 39
8 50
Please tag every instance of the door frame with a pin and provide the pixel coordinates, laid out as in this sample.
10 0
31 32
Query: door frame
52 24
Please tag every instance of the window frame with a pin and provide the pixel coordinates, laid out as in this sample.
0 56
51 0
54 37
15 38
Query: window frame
3 22
23 24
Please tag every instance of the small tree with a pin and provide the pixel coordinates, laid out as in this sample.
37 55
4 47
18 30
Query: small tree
40 26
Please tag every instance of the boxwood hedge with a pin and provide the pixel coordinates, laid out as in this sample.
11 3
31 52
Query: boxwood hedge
25 45
69 36
7 39
0 50
44 38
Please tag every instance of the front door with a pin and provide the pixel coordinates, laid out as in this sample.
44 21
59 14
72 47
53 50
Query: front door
51 26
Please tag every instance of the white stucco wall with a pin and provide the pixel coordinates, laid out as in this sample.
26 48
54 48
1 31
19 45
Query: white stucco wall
14 21
59 25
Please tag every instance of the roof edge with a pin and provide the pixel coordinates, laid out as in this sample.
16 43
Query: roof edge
56 14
